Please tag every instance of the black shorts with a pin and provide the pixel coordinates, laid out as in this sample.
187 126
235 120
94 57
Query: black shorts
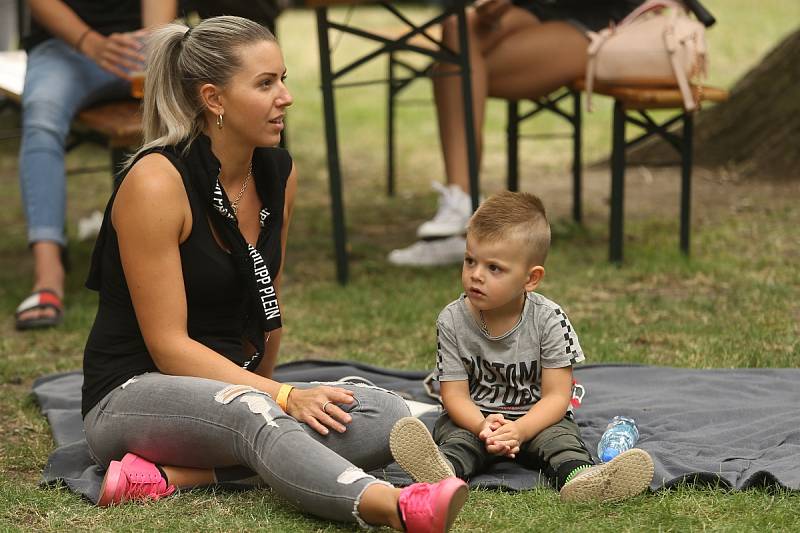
586 15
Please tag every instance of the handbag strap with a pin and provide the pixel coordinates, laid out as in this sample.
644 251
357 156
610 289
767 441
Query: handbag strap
671 44
596 40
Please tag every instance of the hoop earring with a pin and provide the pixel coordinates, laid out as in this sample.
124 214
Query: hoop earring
220 122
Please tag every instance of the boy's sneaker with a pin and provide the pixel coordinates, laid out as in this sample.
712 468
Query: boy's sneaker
452 215
437 252
416 452
627 475
133 478
432 508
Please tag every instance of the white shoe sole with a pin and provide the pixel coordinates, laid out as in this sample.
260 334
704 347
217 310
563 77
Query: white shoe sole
416 452
438 252
627 475
441 232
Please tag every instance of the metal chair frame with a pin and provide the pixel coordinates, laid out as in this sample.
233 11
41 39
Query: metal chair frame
331 77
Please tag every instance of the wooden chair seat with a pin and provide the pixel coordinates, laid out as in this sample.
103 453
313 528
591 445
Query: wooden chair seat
653 97
118 121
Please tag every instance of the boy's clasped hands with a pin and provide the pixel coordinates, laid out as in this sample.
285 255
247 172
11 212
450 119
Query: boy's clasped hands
501 436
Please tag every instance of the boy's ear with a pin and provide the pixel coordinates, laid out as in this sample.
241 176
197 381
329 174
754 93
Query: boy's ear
535 275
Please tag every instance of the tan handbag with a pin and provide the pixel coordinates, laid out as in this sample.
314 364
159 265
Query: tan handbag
657 44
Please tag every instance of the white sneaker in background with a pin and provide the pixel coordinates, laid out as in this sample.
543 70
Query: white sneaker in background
435 252
89 227
452 215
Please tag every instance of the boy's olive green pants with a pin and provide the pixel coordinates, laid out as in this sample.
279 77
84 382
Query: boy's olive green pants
553 449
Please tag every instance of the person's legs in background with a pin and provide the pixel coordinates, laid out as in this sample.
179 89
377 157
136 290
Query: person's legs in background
518 58
9 33
59 81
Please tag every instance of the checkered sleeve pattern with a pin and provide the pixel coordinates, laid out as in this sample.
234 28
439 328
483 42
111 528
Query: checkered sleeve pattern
439 365
560 346
448 359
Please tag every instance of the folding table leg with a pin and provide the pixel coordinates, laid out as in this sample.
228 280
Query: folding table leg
617 183
466 96
512 146
334 170
390 111
687 143
577 160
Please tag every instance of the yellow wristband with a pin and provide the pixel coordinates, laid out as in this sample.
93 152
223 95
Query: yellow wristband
283 396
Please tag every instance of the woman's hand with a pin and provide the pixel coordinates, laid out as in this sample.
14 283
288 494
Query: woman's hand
317 407
119 53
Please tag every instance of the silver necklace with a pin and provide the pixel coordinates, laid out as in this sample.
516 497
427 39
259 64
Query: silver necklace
484 327
245 183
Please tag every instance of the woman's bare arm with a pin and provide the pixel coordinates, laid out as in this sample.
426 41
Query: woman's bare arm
157 12
58 19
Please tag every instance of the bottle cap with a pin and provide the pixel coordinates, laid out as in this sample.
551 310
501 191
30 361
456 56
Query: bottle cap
608 454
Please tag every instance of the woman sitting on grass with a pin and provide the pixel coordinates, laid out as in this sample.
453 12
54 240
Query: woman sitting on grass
178 389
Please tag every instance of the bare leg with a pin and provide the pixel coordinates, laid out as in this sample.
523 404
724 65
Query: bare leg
186 478
378 506
557 57
48 274
519 58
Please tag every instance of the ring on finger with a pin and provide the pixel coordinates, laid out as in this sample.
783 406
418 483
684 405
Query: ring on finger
324 406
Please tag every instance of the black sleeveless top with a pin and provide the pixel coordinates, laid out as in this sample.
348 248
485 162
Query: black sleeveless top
115 350
591 15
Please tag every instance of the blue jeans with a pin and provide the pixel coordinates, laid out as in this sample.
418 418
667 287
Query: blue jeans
202 423
58 83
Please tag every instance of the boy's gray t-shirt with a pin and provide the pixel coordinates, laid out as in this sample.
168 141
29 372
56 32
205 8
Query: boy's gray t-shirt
504 372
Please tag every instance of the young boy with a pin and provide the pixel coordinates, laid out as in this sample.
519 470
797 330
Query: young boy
504 363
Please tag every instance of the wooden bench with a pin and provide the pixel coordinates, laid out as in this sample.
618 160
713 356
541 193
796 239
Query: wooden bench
116 125
631 105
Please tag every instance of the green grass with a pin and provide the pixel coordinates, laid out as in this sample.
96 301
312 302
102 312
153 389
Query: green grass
734 303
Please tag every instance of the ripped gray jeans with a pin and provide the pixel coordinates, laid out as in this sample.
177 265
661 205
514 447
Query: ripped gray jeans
202 423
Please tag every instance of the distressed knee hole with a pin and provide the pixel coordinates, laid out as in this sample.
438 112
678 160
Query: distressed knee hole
255 399
351 475
231 392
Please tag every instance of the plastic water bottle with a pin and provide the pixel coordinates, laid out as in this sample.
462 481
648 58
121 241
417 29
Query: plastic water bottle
621 434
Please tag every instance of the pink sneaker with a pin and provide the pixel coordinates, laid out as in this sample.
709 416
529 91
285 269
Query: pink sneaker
432 507
133 478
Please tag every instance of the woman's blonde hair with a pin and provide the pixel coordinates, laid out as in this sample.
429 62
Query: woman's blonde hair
179 61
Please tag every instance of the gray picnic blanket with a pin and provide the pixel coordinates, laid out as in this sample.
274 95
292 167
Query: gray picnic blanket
738 428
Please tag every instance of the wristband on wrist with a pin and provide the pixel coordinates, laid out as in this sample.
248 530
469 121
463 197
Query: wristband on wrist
283 396
82 38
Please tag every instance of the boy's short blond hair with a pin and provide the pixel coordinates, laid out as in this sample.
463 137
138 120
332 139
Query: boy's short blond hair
513 215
